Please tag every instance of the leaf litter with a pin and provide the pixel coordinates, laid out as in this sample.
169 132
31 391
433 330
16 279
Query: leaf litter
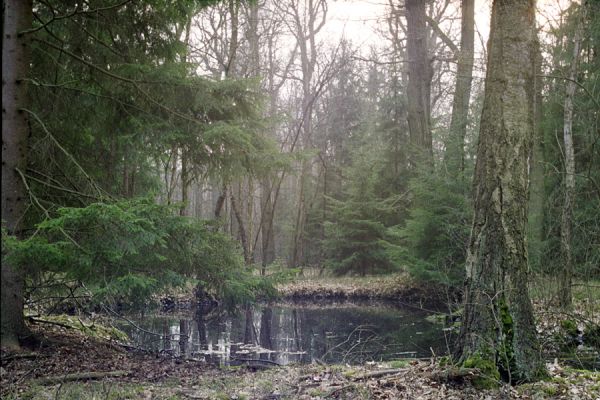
151 376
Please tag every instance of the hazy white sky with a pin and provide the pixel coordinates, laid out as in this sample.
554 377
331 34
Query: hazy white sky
358 20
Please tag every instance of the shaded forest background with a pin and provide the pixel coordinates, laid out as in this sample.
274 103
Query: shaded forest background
174 140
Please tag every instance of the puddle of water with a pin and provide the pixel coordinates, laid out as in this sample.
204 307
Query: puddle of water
290 334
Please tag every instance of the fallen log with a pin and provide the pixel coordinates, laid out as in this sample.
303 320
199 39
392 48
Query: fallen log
82 376
378 374
454 374
18 356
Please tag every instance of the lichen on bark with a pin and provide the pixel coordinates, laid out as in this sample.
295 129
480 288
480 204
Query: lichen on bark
498 311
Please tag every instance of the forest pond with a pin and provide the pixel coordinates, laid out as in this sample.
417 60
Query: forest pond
284 334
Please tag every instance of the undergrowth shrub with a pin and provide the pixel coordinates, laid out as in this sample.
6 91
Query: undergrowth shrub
126 251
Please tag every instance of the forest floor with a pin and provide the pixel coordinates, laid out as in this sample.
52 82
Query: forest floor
57 369
47 374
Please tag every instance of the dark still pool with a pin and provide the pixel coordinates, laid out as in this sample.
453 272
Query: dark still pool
285 334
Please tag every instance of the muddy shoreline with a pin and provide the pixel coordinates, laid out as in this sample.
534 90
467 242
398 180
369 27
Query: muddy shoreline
113 372
330 292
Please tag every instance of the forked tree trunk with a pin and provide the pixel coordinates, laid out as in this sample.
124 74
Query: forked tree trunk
15 136
566 222
498 324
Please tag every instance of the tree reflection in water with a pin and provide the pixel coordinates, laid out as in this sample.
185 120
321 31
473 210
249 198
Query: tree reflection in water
285 334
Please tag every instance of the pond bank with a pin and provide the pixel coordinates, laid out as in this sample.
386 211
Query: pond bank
43 374
398 288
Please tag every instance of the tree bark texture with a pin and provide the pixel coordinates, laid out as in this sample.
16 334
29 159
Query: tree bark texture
267 236
220 202
462 92
566 221
185 184
241 230
536 174
498 323
15 137
419 82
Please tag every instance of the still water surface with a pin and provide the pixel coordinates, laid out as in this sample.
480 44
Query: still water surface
285 334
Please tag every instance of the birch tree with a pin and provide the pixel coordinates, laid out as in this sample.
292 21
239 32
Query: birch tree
566 223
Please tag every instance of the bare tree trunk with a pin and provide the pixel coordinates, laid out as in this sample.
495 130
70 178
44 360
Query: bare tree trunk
234 7
566 221
241 230
220 202
419 82
249 215
498 324
536 162
297 243
171 177
125 183
15 136
267 236
462 93
185 178
308 23
185 183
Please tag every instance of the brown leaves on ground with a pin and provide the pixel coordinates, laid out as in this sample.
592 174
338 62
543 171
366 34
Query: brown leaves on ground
421 380
399 287
151 377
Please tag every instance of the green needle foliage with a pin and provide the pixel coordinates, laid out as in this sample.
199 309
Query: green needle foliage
128 250
435 235
357 239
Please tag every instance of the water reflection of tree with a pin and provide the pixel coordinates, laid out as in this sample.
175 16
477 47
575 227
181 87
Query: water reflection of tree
184 337
166 335
297 330
266 326
311 332
249 331
342 335
201 324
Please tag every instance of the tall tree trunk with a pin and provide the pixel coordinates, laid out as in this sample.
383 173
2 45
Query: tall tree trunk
498 324
536 185
298 237
462 93
566 221
171 176
15 137
267 236
220 202
308 22
234 7
419 82
241 230
185 184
